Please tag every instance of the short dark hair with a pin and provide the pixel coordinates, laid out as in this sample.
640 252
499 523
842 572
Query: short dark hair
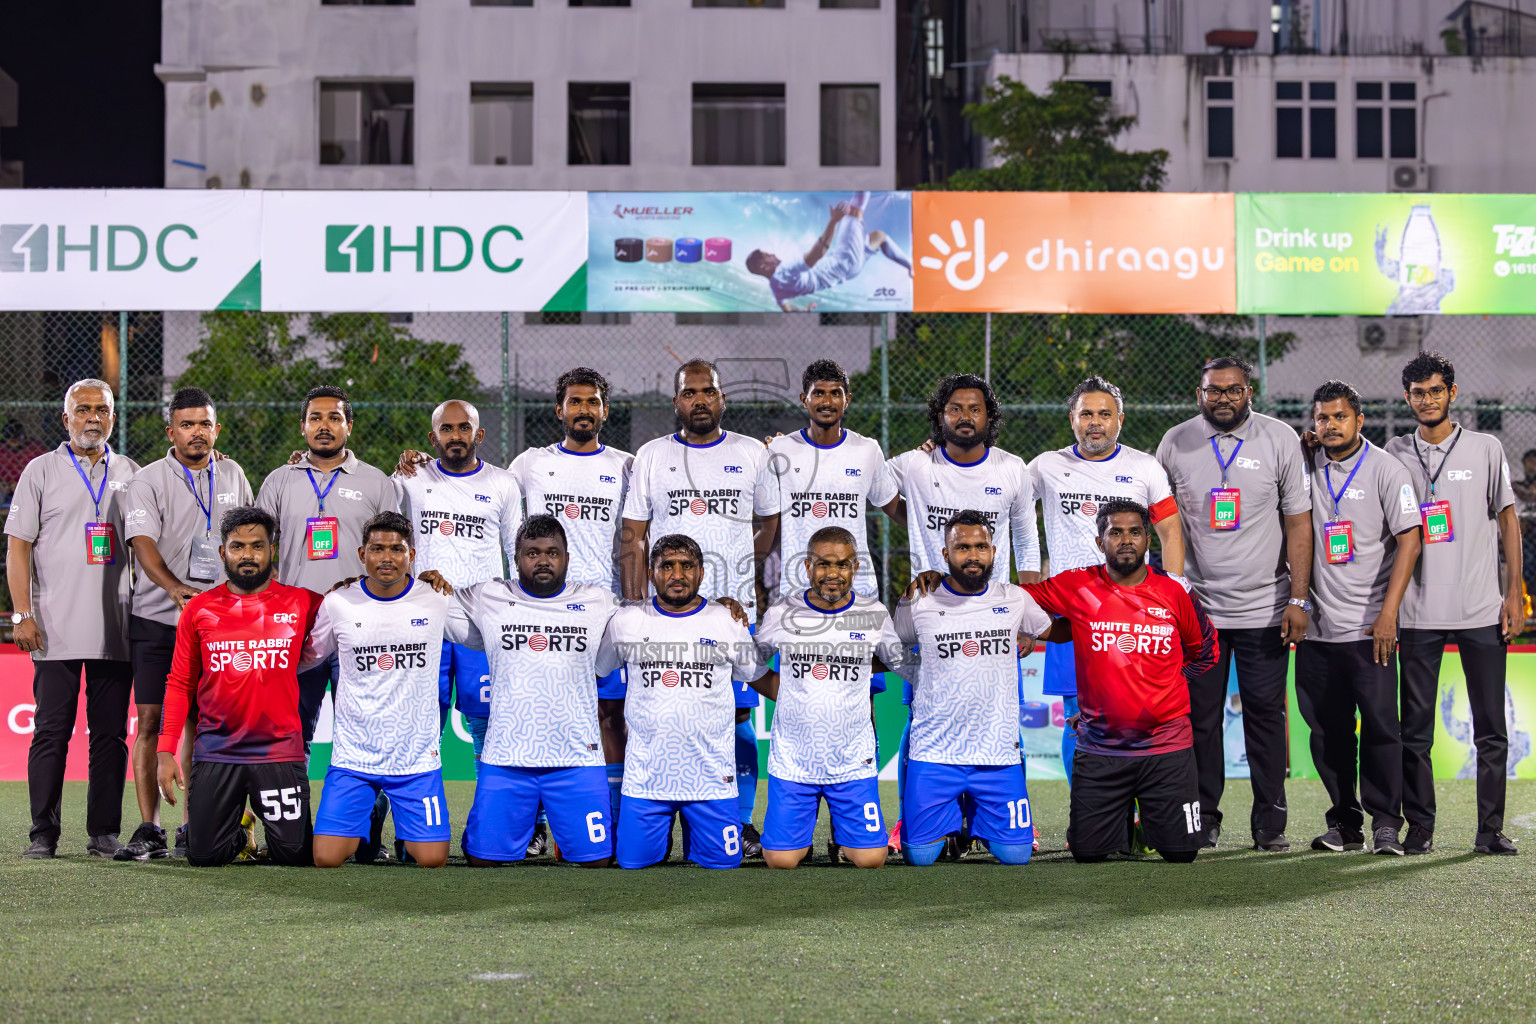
676 542
831 534
538 528
946 390
1530 453
327 391
1117 506
389 521
247 515
823 369
1333 390
13 428
580 376
968 517
1425 365
1229 363
693 364
1095 385
190 398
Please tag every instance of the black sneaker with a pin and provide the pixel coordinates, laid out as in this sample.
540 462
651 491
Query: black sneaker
538 846
1212 835
401 854
1418 840
371 850
1497 844
835 853
40 849
1384 841
1339 839
751 841
103 846
148 842
179 851
1271 842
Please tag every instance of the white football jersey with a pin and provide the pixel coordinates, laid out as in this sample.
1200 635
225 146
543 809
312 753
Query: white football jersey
388 651
1071 489
463 521
710 493
936 488
541 652
680 705
822 733
965 702
585 491
815 486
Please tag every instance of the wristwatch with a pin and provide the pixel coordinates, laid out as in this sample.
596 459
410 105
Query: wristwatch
16 617
1303 604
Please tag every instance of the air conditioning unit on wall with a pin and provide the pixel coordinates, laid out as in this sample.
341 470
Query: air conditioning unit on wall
1389 333
1408 178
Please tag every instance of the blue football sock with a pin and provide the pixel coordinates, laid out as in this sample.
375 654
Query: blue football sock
615 788
543 819
746 769
922 856
1010 853
901 762
1068 737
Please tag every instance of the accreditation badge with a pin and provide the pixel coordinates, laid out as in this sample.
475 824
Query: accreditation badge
100 544
203 563
1226 508
1436 516
320 533
1340 540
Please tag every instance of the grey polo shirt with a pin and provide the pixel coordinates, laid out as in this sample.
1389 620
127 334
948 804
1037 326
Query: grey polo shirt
360 492
1379 503
1456 582
1240 576
162 507
82 609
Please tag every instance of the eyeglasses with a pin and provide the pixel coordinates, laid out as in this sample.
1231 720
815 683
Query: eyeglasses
1417 395
1234 392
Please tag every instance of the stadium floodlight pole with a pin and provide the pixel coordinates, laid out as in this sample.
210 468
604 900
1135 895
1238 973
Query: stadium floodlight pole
885 440
122 380
1263 402
506 394
986 361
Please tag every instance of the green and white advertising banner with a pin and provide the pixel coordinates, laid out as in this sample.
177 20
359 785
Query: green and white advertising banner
401 252
1402 254
130 249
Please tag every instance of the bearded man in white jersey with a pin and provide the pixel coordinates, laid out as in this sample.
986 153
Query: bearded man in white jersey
387 634
709 484
1073 483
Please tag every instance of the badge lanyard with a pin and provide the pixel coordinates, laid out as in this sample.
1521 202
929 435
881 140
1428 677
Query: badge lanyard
318 492
1226 502
1435 516
96 493
1230 458
207 509
1328 479
1444 459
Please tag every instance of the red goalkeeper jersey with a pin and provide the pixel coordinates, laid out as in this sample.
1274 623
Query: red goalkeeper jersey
240 654
1136 648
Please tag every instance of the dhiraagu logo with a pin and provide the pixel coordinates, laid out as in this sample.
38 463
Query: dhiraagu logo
359 248
118 248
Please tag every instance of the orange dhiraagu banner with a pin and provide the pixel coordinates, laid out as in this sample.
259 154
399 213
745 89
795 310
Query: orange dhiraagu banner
1074 252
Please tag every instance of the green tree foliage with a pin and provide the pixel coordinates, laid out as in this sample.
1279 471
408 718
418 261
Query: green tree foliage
258 366
1059 141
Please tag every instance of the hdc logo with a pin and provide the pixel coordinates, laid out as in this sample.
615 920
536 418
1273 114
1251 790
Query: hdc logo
24 248
353 248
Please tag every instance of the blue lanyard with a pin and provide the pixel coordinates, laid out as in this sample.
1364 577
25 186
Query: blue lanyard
1365 447
192 483
1230 458
318 492
106 468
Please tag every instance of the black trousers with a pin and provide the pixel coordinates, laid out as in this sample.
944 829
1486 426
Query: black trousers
312 687
1332 681
56 691
217 795
1483 654
1262 661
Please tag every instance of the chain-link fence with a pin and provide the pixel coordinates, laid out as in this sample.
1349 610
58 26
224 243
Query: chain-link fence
398 367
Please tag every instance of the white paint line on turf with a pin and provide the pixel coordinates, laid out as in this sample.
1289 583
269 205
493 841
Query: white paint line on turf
498 976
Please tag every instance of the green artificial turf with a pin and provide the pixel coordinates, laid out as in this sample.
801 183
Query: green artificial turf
1298 937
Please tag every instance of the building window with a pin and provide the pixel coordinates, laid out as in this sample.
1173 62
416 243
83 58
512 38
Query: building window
1306 120
738 3
933 46
367 3
867 5
501 3
1220 143
1098 86
738 125
723 319
1386 120
850 126
501 123
598 132
366 122
576 319
599 3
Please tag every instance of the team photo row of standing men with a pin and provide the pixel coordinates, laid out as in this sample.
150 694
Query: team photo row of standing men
606 670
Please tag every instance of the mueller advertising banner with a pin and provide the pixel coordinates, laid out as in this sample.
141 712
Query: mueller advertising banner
1401 254
1074 252
402 252
729 252
129 249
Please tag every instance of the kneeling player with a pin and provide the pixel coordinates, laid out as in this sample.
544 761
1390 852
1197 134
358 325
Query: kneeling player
965 706
828 640
681 655
1139 636
540 634
387 634
237 650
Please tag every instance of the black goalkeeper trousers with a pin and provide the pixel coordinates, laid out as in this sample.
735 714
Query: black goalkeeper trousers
217 795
